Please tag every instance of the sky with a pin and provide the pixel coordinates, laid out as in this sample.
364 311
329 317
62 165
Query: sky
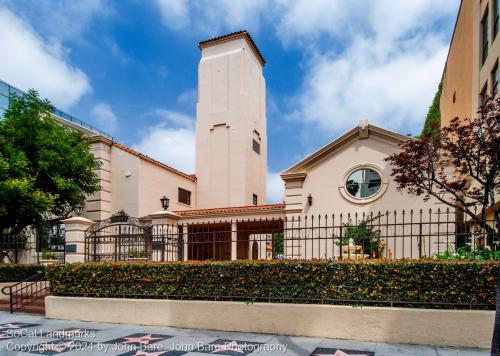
130 67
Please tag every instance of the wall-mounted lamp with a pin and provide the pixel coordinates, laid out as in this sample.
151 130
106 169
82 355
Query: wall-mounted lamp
164 202
310 200
78 209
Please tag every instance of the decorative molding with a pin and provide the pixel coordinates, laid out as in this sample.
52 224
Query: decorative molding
340 142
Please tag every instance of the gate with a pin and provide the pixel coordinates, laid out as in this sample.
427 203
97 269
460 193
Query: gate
125 238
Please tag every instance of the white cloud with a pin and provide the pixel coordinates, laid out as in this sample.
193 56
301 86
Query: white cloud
188 97
211 17
393 92
105 117
174 146
175 118
28 62
384 67
379 60
175 13
345 19
61 19
275 188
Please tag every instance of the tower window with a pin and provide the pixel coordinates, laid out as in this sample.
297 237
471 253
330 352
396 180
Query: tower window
454 97
184 196
484 36
255 199
256 147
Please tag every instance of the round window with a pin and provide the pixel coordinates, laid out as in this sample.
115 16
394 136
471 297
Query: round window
363 183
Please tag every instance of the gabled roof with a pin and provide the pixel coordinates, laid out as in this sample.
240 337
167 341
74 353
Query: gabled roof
232 36
363 130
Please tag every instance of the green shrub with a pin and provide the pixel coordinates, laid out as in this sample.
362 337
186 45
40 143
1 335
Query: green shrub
48 255
278 245
428 283
137 253
363 234
432 123
468 253
10 272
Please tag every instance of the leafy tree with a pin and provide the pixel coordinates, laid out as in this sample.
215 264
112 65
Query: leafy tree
45 168
278 244
432 122
363 234
459 166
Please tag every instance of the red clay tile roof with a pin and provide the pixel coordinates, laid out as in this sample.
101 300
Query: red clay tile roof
153 161
234 35
233 209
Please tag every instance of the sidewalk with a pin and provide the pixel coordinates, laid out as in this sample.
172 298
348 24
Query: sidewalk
24 334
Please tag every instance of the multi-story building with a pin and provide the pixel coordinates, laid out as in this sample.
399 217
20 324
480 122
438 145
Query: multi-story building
471 72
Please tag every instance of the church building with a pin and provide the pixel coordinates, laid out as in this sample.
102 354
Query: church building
226 195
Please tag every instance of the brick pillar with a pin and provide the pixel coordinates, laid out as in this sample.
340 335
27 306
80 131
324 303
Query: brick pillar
75 228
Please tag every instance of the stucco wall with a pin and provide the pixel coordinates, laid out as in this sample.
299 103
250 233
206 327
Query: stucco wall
230 113
98 206
458 73
482 72
155 182
325 179
125 182
465 73
464 328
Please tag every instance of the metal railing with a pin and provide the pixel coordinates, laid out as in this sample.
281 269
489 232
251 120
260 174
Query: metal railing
6 90
26 292
428 295
390 235
33 245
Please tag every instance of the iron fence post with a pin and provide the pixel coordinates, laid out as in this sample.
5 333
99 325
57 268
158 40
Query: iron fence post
420 239
11 299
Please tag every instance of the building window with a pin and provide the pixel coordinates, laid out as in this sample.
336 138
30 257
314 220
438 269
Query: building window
483 94
454 97
184 196
363 183
256 147
494 80
496 16
255 200
484 36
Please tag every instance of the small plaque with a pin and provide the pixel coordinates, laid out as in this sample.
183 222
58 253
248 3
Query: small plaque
158 245
70 248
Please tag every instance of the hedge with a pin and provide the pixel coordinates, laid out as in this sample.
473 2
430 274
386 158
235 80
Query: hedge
407 283
10 272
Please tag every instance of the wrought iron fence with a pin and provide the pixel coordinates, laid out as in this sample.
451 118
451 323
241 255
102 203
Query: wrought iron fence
433 296
391 235
33 245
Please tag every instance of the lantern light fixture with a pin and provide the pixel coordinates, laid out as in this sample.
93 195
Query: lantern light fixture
164 202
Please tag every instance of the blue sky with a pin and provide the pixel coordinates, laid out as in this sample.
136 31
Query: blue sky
130 67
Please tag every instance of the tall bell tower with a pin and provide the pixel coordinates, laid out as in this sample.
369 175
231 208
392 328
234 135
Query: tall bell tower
231 139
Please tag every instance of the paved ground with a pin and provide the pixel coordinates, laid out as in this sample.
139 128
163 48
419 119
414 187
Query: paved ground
24 334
